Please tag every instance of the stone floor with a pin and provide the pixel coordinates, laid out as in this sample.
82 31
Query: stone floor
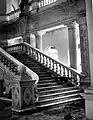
68 112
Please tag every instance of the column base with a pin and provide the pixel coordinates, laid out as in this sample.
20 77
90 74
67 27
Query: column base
88 96
24 110
85 83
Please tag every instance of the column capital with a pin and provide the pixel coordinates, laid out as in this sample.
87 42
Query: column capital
40 33
71 25
32 35
81 20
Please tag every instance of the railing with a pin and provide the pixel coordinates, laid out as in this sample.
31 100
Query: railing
46 2
15 66
15 14
54 65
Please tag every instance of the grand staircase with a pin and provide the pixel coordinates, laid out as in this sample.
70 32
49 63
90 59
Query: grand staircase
51 92
58 84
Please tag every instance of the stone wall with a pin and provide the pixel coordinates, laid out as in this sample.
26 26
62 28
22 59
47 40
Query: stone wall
59 39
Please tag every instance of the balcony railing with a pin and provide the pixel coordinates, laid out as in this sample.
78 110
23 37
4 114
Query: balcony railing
46 2
15 14
56 66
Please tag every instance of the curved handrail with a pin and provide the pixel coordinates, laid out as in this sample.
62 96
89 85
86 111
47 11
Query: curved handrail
14 65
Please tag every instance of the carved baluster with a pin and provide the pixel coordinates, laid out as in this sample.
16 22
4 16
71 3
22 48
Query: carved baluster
75 78
64 71
43 59
40 58
60 70
71 74
68 73
37 56
32 53
78 80
49 63
46 61
56 68
53 65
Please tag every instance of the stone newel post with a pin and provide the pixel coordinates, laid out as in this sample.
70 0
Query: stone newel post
23 92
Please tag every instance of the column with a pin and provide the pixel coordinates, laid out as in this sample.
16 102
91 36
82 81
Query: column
39 35
23 92
72 45
32 40
88 95
84 45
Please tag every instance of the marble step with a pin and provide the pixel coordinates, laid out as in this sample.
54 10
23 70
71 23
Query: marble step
55 95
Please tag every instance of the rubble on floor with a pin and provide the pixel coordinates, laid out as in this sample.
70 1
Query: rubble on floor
70 112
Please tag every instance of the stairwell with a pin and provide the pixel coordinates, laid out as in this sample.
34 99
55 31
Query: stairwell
51 92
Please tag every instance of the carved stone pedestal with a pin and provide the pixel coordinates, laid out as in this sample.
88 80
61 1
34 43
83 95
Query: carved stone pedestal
88 96
23 95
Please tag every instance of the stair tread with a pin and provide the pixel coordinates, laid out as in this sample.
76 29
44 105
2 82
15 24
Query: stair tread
47 83
58 93
50 87
64 101
64 96
59 89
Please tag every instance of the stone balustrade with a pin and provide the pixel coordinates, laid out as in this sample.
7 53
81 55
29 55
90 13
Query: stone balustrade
19 80
54 65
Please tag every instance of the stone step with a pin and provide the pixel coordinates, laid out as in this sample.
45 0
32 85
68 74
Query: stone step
49 87
46 81
43 74
46 78
53 91
46 84
55 104
59 94
56 99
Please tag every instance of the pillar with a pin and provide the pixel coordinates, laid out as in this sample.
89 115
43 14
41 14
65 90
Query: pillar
23 97
32 40
39 35
72 45
84 45
88 95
